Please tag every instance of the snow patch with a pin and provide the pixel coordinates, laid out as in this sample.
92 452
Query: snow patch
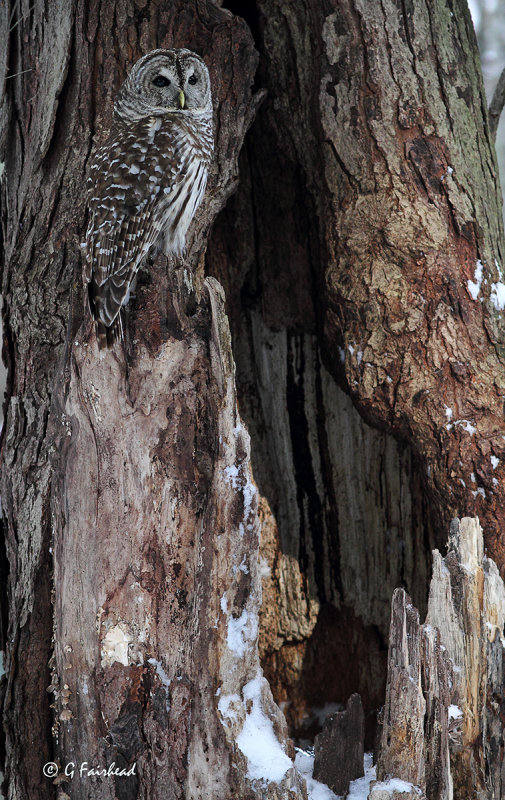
228 705
448 413
474 286
241 632
257 740
494 461
454 712
466 425
397 785
497 295
165 680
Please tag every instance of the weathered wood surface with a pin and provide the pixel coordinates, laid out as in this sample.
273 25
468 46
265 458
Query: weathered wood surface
362 207
443 727
369 191
154 657
338 749
156 570
401 752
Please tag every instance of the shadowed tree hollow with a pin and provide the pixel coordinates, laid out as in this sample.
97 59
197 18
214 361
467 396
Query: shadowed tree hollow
353 220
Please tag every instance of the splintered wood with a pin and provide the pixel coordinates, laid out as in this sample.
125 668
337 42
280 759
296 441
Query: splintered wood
442 732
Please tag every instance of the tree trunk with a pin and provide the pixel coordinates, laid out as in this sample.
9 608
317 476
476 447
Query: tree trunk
369 196
361 263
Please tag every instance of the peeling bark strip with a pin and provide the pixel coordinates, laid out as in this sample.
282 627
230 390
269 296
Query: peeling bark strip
442 726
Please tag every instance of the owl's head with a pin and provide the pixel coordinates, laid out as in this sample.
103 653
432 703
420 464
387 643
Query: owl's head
165 80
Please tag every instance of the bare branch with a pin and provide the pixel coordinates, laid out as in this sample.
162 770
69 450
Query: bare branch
496 105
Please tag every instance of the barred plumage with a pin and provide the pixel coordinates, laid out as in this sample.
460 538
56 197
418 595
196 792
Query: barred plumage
148 177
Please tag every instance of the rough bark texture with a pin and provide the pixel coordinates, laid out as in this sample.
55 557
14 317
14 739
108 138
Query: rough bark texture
351 260
442 725
156 608
369 196
154 619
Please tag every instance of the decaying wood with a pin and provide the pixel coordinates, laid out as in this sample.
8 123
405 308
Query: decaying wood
443 719
352 254
401 752
154 618
369 192
338 749
160 659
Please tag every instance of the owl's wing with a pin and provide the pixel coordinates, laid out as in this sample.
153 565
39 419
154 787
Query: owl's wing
132 184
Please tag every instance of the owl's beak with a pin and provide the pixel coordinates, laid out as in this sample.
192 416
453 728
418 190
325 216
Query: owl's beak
182 99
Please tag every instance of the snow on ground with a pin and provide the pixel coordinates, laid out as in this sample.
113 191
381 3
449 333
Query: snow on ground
358 789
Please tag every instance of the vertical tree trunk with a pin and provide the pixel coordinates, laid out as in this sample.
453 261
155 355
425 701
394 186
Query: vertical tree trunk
359 254
152 523
369 197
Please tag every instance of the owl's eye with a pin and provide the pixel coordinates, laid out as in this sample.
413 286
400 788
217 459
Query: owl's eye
160 81
192 80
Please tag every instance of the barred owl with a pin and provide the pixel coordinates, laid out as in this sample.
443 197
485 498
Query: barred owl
148 178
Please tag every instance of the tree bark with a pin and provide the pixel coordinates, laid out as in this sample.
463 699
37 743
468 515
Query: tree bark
139 483
358 261
369 197
442 730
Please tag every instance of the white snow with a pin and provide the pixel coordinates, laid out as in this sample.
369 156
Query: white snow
473 478
232 474
494 461
360 788
227 706
224 604
397 785
497 295
448 413
480 491
474 286
257 740
454 712
466 425
241 632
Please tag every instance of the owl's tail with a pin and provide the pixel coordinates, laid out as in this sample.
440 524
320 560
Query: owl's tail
106 335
